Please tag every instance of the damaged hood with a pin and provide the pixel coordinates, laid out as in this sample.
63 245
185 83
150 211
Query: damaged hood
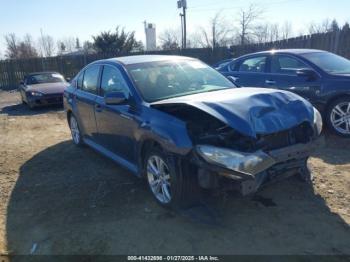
251 111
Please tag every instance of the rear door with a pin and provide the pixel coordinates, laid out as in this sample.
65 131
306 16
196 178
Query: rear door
248 72
116 123
85 97
283 75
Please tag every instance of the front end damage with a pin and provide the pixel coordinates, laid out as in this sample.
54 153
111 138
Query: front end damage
273 165
268 158
280 132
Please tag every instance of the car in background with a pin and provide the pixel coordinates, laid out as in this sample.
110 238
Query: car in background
42 89
222 63
321 77
181 125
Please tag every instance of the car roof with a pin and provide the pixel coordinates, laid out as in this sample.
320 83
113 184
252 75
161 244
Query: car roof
289 51
137 59
44 72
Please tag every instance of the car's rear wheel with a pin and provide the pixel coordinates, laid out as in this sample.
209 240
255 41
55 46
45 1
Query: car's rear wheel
338 116
75 131
168 183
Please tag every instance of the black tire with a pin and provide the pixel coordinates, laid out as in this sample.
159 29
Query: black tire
77 140
184 188
330 116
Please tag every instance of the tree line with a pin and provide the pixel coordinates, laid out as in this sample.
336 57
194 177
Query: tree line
250 27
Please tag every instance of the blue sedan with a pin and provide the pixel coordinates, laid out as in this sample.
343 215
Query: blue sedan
321 77
182 126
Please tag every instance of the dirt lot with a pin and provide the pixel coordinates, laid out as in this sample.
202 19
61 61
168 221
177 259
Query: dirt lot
60 199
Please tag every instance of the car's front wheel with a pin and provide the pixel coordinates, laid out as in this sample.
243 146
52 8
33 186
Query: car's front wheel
338 116
169 184
75 131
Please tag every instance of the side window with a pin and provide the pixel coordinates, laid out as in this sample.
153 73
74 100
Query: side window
113 81
91 79
80 80
281 64
232 66
255 64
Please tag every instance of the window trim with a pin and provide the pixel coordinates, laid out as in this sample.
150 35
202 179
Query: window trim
98 79
238 65
77 84
101 75
290 56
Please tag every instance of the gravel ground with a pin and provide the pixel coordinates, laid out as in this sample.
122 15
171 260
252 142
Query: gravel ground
56 198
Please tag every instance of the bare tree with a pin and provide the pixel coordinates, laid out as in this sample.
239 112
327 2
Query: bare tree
12 46
217 34
69 43
317 28
286 30
27 48
170 39
195 40
274 32
20 49
262 33
46 44
61 48
247 19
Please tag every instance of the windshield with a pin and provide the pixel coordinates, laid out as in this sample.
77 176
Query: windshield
331 63
45 78
162 80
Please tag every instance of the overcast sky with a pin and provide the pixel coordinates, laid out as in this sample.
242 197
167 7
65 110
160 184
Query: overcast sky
84 18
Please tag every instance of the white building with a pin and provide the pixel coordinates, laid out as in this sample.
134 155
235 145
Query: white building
151 37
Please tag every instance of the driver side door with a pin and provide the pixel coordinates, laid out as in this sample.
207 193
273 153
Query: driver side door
116 124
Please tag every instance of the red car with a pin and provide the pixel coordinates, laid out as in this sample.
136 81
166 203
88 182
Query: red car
44 88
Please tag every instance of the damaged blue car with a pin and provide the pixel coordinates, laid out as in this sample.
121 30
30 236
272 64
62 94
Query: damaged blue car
182 126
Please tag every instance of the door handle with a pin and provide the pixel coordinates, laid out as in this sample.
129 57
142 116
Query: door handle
270 82
98 108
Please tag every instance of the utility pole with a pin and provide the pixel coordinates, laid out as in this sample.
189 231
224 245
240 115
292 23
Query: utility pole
182 31
183 4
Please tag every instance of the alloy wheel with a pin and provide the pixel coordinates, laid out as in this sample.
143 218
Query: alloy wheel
340 118
74 130
158 176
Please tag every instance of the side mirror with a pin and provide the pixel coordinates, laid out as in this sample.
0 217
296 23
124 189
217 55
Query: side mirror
21 82
115 98
307 73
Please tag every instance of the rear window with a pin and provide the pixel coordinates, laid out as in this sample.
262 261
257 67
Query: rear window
331 63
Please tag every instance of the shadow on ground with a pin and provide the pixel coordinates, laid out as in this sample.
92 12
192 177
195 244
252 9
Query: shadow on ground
331 144
70 200
24 110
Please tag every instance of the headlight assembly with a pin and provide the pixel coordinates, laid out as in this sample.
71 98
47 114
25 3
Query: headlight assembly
318 124
34 93
247 163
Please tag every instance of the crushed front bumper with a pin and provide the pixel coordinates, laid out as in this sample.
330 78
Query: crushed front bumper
288 161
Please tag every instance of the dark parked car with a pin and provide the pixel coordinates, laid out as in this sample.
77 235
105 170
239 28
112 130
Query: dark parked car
41 89
321 77
222 63
181 124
